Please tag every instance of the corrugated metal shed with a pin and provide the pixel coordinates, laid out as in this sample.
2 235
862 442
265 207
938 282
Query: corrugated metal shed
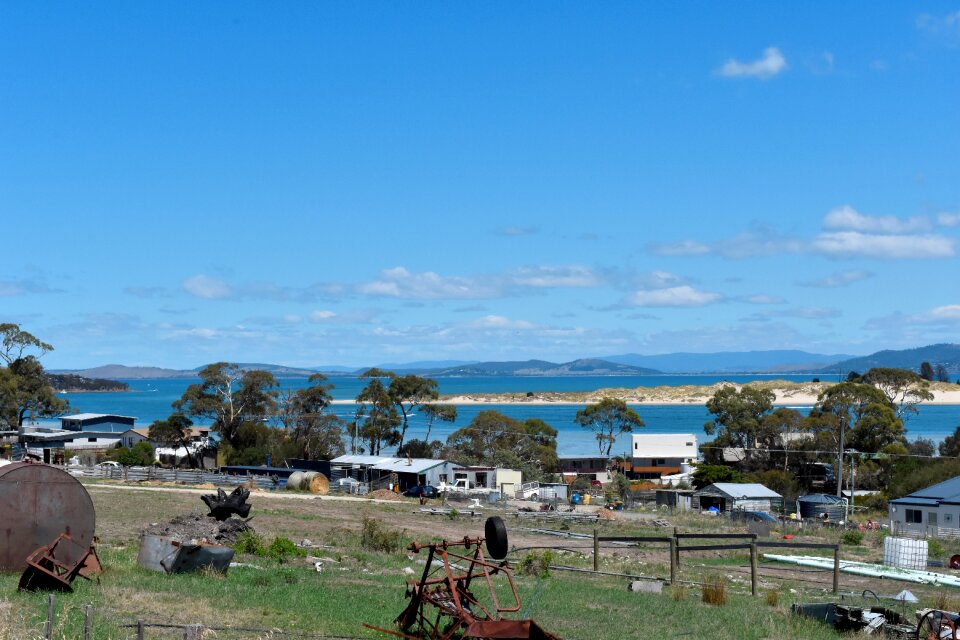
739 490
408 465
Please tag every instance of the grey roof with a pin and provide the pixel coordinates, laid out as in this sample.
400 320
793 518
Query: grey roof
586 456
920 502
408 465
947 491
739 490
92 416
361 460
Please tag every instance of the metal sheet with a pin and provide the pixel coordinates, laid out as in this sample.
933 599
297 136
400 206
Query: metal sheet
38 503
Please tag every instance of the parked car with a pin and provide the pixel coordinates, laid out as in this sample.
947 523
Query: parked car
422 491
109 464
752 516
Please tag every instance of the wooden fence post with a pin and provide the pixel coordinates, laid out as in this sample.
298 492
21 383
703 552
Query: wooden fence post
673 561
596 550
87 622
836 569
753 567
141 629
51 609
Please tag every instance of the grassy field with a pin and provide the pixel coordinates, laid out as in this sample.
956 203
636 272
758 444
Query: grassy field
358 585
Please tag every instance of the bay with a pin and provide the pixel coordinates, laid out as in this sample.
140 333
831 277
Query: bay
151 400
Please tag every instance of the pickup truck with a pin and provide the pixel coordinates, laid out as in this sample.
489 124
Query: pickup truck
461 485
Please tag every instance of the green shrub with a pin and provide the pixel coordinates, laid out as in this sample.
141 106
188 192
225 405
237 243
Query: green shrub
454 514
536 564
376 536
852 537
281 548
935 549
250 542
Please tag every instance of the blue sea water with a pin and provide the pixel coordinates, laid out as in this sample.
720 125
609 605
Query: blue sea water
151 400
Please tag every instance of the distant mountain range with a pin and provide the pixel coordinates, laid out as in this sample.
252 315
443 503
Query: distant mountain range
946 354
727 362
783 361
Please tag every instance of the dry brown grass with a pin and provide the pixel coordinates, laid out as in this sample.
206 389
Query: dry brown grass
715 591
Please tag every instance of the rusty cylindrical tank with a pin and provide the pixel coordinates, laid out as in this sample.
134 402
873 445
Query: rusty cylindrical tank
38 503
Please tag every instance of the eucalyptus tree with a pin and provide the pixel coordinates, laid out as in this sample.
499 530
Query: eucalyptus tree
739 419
408 393
230 397
24 387
903 388
608 419
441 412
860 415
495 440
376 418
304 415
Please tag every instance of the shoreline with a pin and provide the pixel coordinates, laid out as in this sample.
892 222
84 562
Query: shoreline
787 394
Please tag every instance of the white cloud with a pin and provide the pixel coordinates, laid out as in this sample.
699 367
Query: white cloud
853 243
756 242
802 313
762 299
846 217
400 283
770 64
682 248
549 277
828 60
321 315
501 323
946 312
207 287
513 232
945 28
23 287
949 219
838 279
682 296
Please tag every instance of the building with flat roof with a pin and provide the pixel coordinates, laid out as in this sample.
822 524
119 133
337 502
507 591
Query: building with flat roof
97 422
656 455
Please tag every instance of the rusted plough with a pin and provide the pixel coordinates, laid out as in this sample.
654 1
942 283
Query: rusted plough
443 603
55 566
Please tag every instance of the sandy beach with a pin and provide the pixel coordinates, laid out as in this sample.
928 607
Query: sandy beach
787 394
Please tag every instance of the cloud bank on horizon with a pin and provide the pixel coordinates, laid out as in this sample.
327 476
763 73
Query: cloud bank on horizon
357 184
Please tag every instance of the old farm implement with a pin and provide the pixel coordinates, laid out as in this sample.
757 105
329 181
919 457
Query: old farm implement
460 591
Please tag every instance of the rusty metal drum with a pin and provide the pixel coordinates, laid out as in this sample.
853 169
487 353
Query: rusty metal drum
38 503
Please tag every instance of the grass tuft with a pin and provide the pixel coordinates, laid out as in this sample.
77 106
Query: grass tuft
715 591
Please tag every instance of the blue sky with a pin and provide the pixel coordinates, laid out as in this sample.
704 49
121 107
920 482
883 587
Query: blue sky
354 183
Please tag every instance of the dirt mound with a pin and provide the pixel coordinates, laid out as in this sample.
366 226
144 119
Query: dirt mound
606 514
200 527
384 494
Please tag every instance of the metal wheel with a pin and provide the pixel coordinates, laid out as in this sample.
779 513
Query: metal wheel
936 625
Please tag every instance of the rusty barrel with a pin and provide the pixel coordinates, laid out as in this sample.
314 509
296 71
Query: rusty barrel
38 503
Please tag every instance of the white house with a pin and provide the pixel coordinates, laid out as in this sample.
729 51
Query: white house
656 455
934 511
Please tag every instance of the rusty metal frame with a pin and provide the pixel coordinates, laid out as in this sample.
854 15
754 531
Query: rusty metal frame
445 607
45 571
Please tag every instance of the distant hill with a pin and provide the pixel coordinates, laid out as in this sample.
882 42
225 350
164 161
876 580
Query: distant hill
774 361
946 354
422 365
120 371
73 383
588 366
